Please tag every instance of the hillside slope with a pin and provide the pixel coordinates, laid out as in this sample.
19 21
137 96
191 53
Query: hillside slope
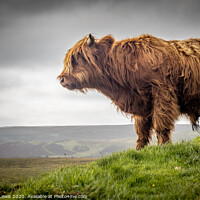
156 172
74 141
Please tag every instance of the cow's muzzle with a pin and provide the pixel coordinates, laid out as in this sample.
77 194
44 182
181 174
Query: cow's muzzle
66 83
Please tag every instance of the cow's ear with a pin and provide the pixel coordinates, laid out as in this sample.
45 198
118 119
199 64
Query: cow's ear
106 41
90 40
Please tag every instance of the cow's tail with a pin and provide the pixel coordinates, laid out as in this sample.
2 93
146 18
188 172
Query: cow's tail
196 126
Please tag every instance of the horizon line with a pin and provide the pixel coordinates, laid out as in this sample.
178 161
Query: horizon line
34 126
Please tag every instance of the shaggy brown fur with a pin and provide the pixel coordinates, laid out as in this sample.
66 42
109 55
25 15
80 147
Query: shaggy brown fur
152 79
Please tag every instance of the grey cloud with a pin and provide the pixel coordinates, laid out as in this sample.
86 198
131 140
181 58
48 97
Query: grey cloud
42 31
12 9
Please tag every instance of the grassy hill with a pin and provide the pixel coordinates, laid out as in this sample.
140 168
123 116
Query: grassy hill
156 172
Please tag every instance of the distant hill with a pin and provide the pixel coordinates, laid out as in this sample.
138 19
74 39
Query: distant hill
74 141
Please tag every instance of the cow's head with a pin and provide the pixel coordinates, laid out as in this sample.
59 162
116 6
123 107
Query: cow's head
83 63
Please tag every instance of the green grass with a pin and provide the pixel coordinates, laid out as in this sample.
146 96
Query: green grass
156 172
15 171
18 170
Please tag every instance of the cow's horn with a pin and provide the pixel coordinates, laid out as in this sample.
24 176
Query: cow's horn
90 40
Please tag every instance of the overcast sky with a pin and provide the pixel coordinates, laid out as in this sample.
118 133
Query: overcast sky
36 34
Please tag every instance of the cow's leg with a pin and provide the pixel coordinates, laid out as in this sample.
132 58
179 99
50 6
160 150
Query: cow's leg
165 112
143 128
163 136
194 117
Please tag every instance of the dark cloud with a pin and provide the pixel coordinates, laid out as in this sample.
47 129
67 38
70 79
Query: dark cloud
41 31
12 9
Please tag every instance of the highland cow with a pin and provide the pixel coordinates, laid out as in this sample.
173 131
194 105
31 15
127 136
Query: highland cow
153 80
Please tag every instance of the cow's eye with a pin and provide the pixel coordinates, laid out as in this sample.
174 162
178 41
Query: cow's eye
73 61
83 59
